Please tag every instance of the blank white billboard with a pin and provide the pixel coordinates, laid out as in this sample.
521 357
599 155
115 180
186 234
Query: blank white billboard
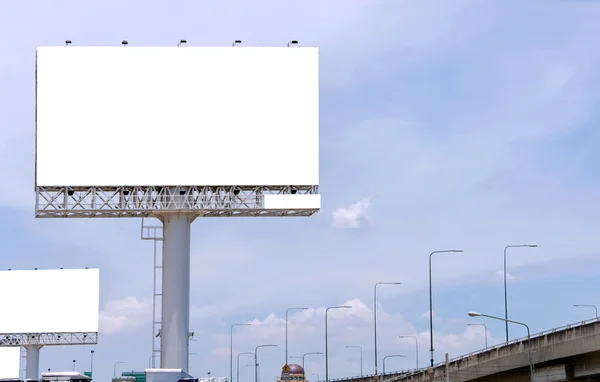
177 116
49 301
10 361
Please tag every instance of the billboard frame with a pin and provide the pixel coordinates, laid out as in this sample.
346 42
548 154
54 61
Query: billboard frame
176 206
147 201
46 339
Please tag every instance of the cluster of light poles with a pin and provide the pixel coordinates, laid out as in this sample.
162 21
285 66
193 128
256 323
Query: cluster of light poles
472 314
255 353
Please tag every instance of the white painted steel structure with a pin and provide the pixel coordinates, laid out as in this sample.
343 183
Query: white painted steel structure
154 233
235 132
56 307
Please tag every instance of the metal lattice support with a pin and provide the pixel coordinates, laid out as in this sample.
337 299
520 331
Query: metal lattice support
154 233
46 339
144 201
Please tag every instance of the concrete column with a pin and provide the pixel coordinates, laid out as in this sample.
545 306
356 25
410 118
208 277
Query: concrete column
174 342
32 370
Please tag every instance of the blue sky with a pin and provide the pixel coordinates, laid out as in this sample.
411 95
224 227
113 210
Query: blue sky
453 124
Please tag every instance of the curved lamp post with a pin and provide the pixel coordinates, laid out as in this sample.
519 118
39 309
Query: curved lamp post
589 306
326 342
431 299
477 314
505 294
485 332
361 352
256 359
231 350
286 330
416 347
375 314
391 356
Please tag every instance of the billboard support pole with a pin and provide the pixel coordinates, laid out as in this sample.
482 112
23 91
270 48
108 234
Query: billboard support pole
32 369
174 344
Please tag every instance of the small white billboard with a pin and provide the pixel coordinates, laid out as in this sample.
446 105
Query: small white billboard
50 301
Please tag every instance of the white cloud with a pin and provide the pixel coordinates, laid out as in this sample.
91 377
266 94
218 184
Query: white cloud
500 275
125 314
426 315
351 216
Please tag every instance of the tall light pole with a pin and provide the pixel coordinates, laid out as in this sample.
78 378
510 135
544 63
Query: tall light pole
92 362
231 350
431 299
115 368
318 377
375 314
326 343
286 332
305 354
477 314
416 347
485 332
361 353
256 359
391 356
505 293
589 306
237 369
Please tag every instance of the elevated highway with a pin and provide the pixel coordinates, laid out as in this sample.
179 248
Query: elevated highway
568 353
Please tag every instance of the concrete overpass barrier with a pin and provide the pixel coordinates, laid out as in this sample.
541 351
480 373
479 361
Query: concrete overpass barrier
553 345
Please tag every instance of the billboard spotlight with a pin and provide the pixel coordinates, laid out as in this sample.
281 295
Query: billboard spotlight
124 42
236 42
293 42
181 42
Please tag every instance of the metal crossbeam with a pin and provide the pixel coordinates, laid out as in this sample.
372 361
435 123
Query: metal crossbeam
45 339
145 201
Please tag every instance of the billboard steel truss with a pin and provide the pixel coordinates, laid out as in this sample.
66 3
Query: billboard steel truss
46 339
145 201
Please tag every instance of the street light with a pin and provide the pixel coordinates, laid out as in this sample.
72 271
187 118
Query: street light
91 362
115 368
237 369
256 359
477 314
286 332
361 352
375 315
416 347
589 306
485 332
318 377
305 354
326 343
74 364
431 299
231 350
505 294
391 356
